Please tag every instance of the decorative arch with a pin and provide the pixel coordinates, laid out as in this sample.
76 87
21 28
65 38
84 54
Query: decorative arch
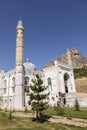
66 77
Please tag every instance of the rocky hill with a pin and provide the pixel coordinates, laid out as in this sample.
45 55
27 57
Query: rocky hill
78 61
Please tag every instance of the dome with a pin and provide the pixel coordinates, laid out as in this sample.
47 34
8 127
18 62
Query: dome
28 65
20 22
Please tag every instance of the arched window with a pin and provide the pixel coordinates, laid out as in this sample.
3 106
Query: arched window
5 101
13 81
27 84
13 85
5 83
10 101
49 81
5 90
53 99
26 80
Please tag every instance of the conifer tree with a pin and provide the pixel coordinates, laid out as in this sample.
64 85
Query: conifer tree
76 105
38 95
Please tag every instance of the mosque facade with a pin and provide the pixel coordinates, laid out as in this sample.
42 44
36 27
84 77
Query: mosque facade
14 84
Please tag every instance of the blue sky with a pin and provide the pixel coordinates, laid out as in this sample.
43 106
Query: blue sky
51 26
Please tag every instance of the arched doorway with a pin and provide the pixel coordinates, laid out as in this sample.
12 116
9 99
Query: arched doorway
66 77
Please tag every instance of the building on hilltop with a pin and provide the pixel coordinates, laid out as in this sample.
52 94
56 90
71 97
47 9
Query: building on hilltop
14 84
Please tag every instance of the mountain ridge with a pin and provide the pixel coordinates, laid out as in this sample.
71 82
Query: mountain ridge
78 60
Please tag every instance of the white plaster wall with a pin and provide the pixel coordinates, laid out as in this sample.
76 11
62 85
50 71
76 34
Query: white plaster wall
50 73
82 102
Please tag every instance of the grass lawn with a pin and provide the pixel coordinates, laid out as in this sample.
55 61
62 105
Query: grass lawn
69 112
28 124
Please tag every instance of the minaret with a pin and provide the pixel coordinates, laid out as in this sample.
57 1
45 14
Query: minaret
19 44
19 78
69 57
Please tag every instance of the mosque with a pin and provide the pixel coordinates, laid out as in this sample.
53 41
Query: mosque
14 84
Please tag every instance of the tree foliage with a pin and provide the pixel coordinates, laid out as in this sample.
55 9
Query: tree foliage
38 95
60 104
80 72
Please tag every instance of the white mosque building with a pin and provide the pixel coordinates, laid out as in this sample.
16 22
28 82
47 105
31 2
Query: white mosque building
14 84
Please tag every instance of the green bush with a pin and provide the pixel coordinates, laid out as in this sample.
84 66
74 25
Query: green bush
59 108
80 72
76 105
3 114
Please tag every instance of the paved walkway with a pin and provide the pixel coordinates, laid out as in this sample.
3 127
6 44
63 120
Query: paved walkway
57 119
70 121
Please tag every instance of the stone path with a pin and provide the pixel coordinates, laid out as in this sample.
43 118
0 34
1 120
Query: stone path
70 121
57 119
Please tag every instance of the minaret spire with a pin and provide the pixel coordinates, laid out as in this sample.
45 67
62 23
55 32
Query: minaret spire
69 57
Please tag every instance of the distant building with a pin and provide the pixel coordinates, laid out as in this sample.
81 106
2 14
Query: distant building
58 76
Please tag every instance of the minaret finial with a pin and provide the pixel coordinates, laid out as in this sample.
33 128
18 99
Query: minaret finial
19 18
67 49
